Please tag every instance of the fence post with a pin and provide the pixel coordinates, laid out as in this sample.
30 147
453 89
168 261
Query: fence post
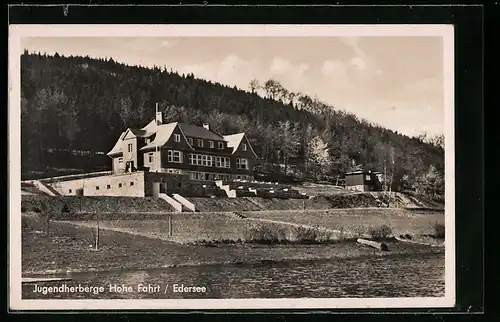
97 234
170 225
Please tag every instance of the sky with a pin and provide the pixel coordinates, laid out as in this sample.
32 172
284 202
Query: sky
393 81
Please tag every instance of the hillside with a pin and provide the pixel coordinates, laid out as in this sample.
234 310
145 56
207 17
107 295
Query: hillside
83 104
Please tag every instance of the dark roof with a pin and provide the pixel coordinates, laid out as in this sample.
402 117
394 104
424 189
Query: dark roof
199 132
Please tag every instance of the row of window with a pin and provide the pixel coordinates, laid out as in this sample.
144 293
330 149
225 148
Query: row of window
211 144
209 161
174 156
208 176
107 186
215 176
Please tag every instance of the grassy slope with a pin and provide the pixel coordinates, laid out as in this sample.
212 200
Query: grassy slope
355 220
69 248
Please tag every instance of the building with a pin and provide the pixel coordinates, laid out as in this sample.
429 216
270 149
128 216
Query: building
179 148
362 181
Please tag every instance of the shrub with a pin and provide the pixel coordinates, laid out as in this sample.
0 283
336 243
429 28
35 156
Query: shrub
265 233
304 234
380 232
359 231
438 230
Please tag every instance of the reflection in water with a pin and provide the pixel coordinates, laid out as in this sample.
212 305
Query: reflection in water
408 276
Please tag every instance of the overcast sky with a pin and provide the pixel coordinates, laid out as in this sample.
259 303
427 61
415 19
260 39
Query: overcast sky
396 82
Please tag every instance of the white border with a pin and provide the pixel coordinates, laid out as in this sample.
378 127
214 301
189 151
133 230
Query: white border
16 32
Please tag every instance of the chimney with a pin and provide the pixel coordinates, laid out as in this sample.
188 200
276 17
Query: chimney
206 126
159 117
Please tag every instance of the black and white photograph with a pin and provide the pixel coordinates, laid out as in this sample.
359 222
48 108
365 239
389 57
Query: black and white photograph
231 166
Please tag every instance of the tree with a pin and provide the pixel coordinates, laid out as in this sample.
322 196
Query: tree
307 137
69 125
437 141
319 157
125 111
432 181
289 142
273 88
254 85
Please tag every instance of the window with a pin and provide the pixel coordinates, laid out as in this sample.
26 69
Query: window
196 175
70 191
151 157
108 186
174 156
221 145
244 146
96 187
131 183
241 163
367 177
190 140
120 160
200 159
211 144
200 143
119 185
177 137
129 147
222 162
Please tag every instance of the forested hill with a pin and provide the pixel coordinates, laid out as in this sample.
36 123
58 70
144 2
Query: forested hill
80 103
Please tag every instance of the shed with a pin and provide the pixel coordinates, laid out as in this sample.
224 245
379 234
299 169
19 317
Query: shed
362 181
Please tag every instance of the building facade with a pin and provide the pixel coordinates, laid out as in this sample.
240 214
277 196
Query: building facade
179 148
362 181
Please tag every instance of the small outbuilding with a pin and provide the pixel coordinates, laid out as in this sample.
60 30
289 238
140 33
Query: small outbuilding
362 181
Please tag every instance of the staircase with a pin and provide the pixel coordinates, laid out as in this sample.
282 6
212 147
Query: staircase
231 193
186 204
45 188
174 203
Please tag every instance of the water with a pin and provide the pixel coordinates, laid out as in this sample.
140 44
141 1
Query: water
389 276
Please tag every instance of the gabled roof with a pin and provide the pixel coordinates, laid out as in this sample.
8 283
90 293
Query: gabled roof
234 141
140 133
150 127
162 136
118 145
199 132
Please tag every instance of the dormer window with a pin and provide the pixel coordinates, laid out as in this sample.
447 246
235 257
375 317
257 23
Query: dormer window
190 140
177 137
244 146
211 144
221 145
200 143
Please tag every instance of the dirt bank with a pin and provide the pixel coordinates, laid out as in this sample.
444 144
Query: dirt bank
69 248
73 204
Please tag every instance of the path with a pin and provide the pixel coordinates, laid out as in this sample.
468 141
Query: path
293 224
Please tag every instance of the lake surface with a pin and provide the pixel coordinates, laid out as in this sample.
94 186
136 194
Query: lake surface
415 275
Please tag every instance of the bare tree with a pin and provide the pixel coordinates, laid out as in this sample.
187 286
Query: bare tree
254 85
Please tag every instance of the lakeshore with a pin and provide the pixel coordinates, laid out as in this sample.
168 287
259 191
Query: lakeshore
69 251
